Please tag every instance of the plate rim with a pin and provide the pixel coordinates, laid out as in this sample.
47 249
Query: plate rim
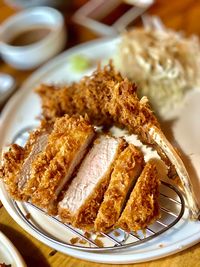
119 259
13 251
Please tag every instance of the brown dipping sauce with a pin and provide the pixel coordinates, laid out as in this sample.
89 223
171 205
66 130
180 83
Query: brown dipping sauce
30 36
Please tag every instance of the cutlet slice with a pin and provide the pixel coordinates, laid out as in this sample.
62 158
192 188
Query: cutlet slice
17 161
82 200
126 171
10 170
142 207
67 144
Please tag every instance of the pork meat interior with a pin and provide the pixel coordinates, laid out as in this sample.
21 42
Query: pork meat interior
82 200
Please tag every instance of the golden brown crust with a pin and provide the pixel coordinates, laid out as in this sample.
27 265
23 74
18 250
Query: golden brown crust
68 137
13 160
142 207
127 169
65 215
85 216
105 96
56 101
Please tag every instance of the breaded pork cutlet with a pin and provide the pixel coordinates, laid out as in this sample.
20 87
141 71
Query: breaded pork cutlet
109 99
16 166
142 207
51 170
82 200
124 176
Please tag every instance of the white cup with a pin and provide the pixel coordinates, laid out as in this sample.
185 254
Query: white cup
32 55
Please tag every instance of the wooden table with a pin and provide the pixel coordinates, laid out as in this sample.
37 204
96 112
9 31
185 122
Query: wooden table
177 14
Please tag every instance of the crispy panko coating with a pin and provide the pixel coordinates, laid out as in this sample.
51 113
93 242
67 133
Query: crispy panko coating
10 171
56 100
126 171
105 96
142 207
16 162
54 166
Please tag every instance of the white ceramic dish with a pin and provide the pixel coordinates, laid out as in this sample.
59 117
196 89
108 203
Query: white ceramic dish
7 86
31 56
21 111
9 254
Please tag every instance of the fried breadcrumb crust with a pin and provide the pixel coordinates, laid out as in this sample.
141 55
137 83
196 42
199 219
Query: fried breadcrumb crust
10 171
105 96
127 169
14 159
142 207
85 216
51 166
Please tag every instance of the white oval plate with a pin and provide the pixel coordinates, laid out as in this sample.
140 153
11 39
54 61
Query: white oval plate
9 254
22 110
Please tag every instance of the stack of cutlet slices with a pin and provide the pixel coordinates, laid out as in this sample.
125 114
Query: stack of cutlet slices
92 180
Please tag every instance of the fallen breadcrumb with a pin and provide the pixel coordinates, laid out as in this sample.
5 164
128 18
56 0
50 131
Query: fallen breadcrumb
99 243
52 253
116 233
74 240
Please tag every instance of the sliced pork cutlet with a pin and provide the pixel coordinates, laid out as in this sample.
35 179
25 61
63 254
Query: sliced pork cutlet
67 144
82 200
142 207
110 99
124 176
15 170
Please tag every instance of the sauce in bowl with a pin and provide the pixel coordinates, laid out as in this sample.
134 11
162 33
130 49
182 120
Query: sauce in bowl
30 36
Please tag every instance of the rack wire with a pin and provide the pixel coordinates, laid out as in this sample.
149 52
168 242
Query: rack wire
172 207
169 217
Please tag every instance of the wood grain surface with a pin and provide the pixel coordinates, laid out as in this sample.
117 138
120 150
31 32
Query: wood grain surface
177 14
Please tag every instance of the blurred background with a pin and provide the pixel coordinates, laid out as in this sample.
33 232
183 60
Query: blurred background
178 14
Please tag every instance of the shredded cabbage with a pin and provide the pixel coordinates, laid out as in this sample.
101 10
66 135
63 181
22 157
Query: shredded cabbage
163 63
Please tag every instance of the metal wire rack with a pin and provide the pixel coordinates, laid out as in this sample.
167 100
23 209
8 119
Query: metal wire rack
172 210
172 207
